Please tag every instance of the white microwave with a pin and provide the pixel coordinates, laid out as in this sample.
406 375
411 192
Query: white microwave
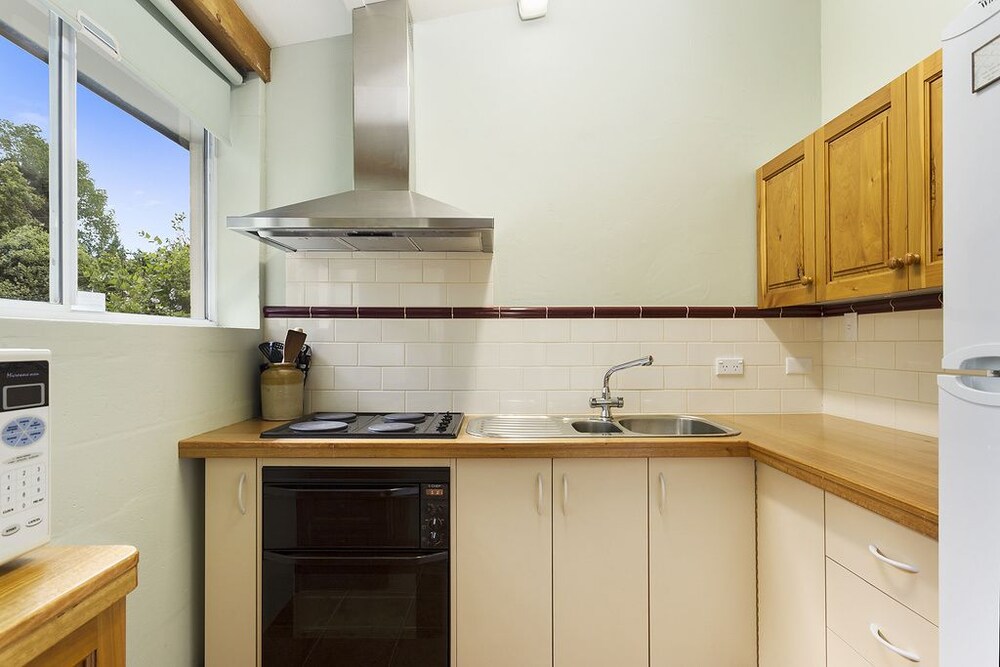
25 437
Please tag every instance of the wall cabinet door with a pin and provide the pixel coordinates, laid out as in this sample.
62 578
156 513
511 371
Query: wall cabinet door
786 233
791 571
230 562
600 561
861 203
702 553
503 551
925 255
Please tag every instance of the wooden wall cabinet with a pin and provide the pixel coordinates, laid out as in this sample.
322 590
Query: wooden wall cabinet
924 146
786 230
876 216
861 198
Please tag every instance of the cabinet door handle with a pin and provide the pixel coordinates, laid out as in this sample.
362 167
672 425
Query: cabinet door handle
663 492
539 495
880 638
911 258
239 493
899 565
806 280
895 263
565 481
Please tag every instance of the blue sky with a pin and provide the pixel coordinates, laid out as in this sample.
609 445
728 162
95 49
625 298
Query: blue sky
146 175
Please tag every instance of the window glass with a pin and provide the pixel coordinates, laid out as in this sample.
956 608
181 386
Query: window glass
24 162
134 210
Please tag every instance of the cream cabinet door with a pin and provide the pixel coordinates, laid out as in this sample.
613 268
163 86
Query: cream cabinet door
503 553
600 561
791 571
230 562
702 578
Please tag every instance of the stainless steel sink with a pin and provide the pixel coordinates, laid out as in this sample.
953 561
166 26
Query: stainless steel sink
674 425
636 426
595 426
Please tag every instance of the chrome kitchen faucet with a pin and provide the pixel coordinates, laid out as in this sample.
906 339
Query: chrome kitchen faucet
605 402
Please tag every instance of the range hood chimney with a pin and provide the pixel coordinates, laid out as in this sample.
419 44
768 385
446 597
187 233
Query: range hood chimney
382 212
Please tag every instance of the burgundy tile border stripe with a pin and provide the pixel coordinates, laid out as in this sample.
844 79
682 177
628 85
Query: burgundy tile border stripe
523 313
884 305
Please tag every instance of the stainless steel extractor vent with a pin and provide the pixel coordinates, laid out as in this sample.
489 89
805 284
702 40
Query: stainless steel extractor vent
382 212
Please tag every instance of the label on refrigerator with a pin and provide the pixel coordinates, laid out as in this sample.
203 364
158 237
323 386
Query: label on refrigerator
986 64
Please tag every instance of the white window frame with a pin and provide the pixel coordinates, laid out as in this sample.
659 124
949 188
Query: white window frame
63 276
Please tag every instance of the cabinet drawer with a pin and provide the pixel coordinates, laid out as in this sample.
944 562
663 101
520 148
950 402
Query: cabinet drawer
839 654
853 532
855 610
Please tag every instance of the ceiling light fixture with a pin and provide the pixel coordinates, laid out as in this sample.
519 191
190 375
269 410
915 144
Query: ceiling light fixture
532 9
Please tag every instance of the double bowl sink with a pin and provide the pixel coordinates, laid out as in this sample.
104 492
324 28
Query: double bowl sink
638 426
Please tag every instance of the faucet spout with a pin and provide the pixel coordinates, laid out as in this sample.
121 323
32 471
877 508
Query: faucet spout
606 402
642 361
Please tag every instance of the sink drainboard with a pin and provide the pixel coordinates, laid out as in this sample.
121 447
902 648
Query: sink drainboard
516 426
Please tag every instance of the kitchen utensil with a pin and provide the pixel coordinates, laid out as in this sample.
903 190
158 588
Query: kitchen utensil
273 352
294 340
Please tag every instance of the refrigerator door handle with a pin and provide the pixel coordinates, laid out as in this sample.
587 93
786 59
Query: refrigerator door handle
975 372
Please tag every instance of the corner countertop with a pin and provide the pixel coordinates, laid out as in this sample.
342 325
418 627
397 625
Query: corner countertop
890 472
49 592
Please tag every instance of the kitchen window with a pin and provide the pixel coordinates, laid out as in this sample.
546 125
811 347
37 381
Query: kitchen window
103 184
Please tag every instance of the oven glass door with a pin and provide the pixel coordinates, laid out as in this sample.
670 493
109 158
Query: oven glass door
358 515
349 608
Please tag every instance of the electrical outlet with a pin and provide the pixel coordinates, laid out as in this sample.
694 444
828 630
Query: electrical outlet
798 365
850 326
729 366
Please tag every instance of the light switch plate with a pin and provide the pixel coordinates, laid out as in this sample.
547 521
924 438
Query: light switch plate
850 326
729 366
798 365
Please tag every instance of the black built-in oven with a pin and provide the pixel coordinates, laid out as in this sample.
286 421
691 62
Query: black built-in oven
355 567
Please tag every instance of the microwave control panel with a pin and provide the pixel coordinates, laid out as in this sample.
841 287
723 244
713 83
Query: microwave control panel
24 451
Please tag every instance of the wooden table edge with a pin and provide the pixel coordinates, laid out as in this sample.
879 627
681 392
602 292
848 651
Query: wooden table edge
70 610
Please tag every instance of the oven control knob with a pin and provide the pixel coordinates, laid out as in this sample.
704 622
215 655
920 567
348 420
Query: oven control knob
436 523
435 537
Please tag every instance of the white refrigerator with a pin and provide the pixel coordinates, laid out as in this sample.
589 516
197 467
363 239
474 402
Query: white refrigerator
969 535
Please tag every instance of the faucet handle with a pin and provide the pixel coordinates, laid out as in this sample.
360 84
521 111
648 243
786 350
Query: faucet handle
615 402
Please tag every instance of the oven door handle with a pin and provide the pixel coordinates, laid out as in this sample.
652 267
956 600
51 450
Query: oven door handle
421 559
384 492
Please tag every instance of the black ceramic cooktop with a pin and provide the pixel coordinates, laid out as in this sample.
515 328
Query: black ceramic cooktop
370 425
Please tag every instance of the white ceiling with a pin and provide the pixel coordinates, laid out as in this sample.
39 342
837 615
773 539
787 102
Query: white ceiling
284 23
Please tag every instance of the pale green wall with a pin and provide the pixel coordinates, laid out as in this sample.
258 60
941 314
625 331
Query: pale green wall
122 396
615 145
867 44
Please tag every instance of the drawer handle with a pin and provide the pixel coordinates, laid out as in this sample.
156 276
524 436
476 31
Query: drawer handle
239 493
899 565
877 634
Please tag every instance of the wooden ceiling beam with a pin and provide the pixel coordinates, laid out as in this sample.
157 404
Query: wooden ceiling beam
231 32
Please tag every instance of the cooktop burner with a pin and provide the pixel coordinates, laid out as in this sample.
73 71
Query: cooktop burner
370 425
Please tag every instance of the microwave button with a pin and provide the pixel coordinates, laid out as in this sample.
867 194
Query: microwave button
11 529
31 523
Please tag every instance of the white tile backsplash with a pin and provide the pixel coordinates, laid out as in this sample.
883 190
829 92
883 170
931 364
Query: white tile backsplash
555 365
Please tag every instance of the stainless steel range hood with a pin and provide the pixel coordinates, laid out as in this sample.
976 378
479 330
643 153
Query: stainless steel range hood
382 212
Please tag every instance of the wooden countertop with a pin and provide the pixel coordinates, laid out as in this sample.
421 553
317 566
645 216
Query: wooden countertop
893 473
51 591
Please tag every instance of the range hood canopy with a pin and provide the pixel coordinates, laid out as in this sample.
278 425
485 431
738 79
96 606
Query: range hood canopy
382 212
